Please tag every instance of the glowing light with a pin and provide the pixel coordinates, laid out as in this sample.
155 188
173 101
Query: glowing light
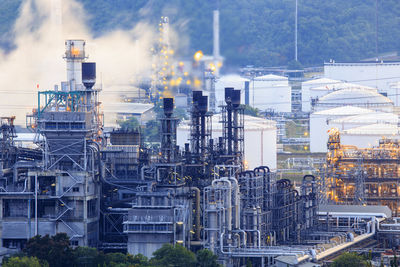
197 83
185 73
188 82
212 66
198 55
181 64
167 94
74 51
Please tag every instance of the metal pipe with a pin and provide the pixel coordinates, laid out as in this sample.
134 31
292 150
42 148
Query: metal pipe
36 205
237 202
198 221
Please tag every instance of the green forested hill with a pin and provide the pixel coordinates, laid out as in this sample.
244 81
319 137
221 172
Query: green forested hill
256 32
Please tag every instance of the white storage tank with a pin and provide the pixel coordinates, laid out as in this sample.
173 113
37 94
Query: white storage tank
357 97
271 92
259 139
350 122
377 74
369 135
320 124
307 96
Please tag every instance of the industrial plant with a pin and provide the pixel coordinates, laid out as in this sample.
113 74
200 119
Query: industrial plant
107 189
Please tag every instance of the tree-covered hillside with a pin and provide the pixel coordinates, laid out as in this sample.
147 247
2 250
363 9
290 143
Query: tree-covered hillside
255 32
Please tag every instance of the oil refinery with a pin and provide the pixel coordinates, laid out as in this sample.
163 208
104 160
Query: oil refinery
108 190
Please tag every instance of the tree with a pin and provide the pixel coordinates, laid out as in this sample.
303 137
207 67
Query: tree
205 258
151 132
122 260
129 125
55 250
88 257
174 256
248 110
349 260
24 262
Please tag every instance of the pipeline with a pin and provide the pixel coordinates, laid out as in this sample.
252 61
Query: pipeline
198 219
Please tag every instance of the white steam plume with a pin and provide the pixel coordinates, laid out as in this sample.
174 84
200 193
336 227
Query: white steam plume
121 55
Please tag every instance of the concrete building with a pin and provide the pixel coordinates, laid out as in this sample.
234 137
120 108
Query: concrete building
123 111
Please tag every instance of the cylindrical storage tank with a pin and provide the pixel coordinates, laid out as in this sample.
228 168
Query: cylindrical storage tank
356 97
259 139
350 122
369 135
271 92
320 124
307 95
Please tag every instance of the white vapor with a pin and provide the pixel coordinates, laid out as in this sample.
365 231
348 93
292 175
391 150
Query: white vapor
40 32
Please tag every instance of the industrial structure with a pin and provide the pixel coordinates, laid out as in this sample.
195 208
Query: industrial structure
110 191
363 175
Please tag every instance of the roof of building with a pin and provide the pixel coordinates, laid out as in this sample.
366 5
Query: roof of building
374 129
362 63
340 86
355 96
127 108
271 77
369 118
344 111
232 78
321 81
369 210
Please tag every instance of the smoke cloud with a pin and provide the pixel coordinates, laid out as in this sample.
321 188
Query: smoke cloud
122 56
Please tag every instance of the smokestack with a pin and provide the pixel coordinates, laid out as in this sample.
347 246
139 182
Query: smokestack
247 92
196 97
216 33
202 106
235 98
74 55
168 107
228 94
88 74
165 31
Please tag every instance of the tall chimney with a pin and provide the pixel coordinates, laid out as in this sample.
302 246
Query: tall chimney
74 56
216 33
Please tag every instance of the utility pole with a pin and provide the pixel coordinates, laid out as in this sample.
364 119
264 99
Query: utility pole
295 34
376 30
